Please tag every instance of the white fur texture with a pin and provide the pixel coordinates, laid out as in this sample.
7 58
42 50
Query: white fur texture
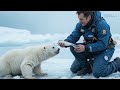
26 61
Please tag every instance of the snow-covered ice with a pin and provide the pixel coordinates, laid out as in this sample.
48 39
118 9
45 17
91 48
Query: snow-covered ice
57 67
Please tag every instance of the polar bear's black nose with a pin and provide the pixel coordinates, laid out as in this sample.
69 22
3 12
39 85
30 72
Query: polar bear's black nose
58 49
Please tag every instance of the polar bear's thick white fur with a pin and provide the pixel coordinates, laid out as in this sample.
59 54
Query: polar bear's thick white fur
26 61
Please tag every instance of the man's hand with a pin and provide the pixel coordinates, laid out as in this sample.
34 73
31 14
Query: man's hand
61 43
79 48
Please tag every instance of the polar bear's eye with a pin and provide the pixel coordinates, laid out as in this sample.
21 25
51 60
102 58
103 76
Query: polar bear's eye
53 47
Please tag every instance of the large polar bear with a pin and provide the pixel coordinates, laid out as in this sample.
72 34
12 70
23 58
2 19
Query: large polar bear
26 61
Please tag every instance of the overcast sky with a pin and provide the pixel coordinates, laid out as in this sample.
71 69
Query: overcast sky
42 22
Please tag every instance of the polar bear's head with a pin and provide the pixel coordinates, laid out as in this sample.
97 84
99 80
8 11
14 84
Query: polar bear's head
51 49
47 51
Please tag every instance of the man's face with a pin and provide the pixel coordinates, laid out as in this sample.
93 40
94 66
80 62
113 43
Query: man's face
83 20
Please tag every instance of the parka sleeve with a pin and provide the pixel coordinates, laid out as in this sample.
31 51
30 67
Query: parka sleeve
75 35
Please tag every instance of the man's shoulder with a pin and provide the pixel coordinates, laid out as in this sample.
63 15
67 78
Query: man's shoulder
78 25
102 24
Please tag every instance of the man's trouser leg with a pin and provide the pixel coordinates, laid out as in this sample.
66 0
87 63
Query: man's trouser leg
80 60
101 65
75 66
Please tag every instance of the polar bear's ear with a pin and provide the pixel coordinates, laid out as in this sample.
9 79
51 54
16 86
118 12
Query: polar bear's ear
44 48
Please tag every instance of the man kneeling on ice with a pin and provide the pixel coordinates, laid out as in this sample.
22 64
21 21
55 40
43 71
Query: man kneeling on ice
94 54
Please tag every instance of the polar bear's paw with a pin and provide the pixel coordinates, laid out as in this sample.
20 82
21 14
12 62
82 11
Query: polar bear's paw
29 77
43 74
8 77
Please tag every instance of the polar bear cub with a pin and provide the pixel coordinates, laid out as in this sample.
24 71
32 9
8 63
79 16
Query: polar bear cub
26 61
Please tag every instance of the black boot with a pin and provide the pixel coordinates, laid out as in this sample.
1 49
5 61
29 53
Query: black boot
85 70
117 60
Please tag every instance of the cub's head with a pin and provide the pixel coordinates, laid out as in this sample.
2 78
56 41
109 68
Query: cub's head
51 50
